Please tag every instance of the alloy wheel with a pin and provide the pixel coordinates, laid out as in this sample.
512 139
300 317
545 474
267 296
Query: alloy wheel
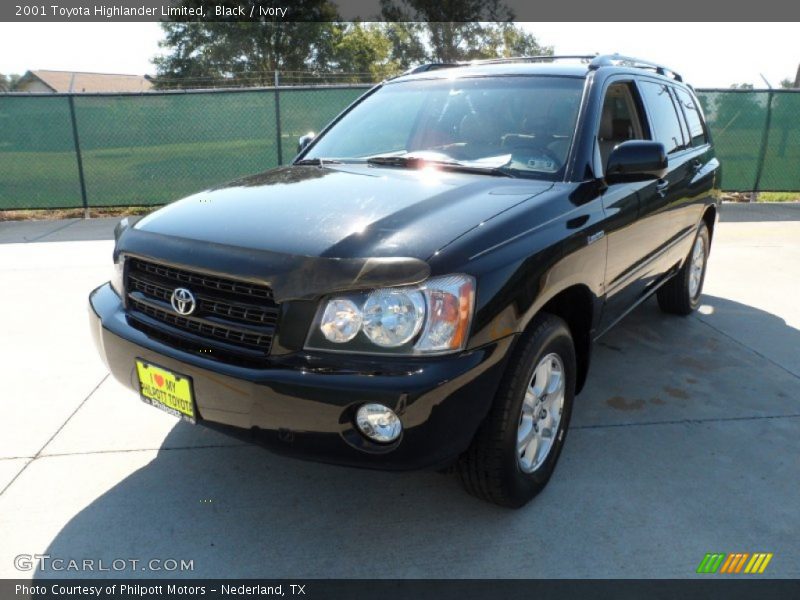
540 416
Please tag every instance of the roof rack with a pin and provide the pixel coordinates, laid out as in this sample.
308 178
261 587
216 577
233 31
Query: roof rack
613 60
541 58
432 67
595 61
492 61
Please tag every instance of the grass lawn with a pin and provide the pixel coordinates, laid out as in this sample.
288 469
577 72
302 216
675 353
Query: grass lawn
779 196
54 214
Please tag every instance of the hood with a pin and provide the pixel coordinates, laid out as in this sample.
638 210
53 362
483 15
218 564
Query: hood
342 211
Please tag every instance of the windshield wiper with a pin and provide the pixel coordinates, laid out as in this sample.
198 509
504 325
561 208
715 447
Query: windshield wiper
318 162
413 162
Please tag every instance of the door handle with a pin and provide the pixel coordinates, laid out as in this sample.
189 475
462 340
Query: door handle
662 185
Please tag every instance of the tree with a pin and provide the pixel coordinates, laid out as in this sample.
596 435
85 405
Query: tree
7 82
506 40
414 43
231 53
455 30
787 84
364 53
463 12
406 40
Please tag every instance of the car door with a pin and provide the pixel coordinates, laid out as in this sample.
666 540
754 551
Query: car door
703 166
622 119
664 226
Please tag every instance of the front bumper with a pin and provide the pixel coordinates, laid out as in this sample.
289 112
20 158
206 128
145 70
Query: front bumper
305 404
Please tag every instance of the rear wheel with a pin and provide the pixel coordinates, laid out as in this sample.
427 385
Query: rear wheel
516 449
681 294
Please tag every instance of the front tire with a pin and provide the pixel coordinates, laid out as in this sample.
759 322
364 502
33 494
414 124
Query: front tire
517 447
681 294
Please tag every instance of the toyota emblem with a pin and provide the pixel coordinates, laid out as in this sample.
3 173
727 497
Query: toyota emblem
183 301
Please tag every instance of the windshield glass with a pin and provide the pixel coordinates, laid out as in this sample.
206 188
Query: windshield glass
523 124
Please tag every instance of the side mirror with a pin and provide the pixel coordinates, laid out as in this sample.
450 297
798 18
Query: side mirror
636 160
304 140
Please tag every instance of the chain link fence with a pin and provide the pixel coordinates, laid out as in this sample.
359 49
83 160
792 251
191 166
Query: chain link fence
757 137
98 150
82 150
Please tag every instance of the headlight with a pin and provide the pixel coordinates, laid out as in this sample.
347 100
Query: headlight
450 304
341 320
393 317
117 277
431 318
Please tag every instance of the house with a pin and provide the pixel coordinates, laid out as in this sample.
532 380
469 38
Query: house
74 81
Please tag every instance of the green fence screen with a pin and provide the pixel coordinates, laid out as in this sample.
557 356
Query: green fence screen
141 149
757 137
38 163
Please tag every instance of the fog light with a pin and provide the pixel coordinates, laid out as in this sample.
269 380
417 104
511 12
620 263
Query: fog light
378 423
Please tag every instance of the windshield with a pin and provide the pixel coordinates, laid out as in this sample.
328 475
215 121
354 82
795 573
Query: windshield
524 125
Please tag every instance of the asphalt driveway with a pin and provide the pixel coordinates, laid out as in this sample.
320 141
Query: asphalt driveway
686 441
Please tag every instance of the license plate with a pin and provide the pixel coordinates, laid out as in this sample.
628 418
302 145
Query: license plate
166 390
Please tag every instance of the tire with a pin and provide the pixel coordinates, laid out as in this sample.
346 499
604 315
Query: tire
681 295
493 468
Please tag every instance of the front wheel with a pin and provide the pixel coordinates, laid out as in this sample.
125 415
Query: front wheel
681 294
516 449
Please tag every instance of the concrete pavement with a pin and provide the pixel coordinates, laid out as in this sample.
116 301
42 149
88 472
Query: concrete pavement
64 230
685 441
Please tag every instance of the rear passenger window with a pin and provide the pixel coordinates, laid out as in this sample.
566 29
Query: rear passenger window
663 116
696 130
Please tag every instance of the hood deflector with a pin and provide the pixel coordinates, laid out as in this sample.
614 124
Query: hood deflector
291 277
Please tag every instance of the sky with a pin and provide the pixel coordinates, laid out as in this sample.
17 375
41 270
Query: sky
706 54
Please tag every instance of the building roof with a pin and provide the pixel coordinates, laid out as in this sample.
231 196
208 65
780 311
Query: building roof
76 81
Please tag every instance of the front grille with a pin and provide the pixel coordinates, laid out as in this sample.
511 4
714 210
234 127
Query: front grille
208 282
233 321
247 313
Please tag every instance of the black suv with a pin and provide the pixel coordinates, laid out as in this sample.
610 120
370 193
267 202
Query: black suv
422 286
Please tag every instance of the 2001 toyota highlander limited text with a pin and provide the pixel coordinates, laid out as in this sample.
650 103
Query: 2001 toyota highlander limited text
422 285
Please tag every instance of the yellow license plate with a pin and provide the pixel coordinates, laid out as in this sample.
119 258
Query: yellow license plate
166 390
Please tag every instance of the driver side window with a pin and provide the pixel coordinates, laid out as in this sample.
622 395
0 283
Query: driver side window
620 120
